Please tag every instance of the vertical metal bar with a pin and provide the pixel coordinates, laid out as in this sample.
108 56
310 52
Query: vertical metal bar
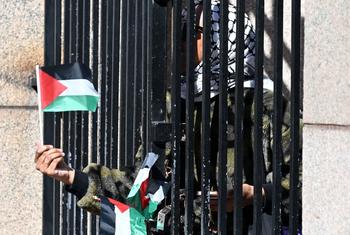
258 103
189 174
115 83
295 107
277 118
205 142
52 55
122 109
176 114
57 116
137 118
94 128
222 183
103 55
156 68
73 122
78 115
65 119
144 76
129 86
238 166
85 60
157 59
83 53
94 66
66 199
149 72
109 79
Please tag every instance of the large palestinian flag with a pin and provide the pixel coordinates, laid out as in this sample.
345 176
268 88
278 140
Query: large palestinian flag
146 193
66 88
117 218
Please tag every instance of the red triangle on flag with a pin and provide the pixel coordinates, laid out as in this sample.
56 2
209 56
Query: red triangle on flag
122 207
50 89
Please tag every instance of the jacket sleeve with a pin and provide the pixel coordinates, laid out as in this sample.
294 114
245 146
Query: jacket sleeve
96 180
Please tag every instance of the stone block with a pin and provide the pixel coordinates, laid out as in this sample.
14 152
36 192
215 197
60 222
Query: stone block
20 184
327 63
21 48
326 165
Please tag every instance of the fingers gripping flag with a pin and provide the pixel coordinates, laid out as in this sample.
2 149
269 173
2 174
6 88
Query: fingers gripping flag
66 87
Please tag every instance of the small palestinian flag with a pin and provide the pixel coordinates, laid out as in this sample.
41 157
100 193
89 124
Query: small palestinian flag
66 88
118 218
146 193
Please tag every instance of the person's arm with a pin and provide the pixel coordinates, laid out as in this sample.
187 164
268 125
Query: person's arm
79 185
93 182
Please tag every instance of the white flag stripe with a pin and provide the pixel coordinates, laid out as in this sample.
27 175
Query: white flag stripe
78 87
151 158
142 176
122 222
157 196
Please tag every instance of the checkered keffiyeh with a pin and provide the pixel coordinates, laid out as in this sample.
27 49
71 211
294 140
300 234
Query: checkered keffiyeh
249 51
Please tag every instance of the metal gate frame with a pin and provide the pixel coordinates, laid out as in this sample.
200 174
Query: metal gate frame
126 44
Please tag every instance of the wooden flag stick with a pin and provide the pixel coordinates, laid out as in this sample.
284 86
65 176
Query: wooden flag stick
41 123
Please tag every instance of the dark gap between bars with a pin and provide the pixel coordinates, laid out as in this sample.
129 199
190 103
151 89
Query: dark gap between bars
115 84
238 218
223 118
277 118
295 113
176 114
258 106
189 156
129 87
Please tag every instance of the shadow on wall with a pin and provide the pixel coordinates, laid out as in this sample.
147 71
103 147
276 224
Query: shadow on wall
287 55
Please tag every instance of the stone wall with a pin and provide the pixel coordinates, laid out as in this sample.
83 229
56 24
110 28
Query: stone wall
327 118
326 159
21 47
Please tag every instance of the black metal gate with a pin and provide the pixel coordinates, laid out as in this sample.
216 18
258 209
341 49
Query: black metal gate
133 50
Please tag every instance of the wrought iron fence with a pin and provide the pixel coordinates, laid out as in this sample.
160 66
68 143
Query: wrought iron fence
133 48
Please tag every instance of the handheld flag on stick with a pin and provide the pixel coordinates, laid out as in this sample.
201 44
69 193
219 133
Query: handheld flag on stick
66 88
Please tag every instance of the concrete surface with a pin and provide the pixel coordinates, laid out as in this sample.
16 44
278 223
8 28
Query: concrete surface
21 47
326 164
20 184
327 63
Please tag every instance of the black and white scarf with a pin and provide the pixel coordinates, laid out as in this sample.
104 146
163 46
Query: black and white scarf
249 51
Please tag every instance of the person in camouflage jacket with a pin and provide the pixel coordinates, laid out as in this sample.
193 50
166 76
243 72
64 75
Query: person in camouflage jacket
96 180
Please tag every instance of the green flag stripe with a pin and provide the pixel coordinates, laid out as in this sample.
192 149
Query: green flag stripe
135 201
137 223
73 103
150 209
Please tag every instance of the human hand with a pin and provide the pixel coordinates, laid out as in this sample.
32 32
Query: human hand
49 161
247 197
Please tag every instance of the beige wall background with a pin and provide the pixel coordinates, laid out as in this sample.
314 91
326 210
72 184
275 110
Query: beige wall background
326 156
326 36
21 47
